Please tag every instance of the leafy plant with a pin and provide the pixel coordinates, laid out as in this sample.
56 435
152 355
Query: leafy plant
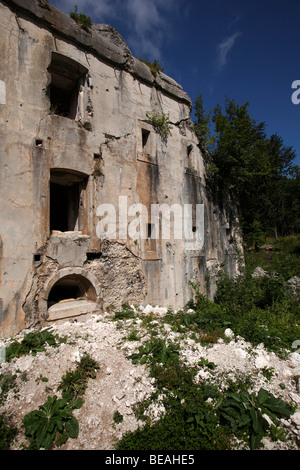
161 124
124 314
118 418
155 351
155 66
245 411
84 21
188 421
44 4
53 423
33 342
133 336
7 382
8 431
75 382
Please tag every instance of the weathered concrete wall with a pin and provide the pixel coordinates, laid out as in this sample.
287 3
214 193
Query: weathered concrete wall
100 152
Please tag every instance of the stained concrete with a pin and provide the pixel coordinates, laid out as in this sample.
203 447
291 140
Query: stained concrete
90 142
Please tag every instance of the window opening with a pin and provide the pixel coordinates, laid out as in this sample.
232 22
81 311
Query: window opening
90 256
37 259
66 194
66 78
150 227
146 141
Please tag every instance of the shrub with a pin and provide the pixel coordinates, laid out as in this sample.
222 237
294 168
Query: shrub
245 412
155 66
33 342
161 124
8 431
75 382
7 382
53 423
84 21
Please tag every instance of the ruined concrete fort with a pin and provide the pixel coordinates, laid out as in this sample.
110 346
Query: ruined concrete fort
92 139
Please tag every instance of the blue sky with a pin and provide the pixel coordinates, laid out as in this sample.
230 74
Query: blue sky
246 50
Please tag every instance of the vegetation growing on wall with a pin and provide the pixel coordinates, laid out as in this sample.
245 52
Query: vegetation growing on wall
84 21
161 124
155 66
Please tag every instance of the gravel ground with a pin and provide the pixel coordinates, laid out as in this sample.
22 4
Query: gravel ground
119 384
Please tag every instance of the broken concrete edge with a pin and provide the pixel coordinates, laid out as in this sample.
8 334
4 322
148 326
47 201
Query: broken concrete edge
92 42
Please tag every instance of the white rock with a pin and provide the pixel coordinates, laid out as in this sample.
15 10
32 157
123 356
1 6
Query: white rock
75 356
160 310
296 418
262 361
229 333
295 397
167 328
148 309
203 374
241 353
259 272
25 363
295 358
268 445
268 419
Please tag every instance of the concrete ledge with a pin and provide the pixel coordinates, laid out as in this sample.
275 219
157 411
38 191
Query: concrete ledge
71 308
63 25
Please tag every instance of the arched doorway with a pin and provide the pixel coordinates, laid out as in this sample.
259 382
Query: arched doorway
71 287
70 292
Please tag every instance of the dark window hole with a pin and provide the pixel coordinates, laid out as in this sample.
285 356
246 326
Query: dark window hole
93 255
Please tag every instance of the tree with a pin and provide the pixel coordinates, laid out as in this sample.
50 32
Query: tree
256 170
201 125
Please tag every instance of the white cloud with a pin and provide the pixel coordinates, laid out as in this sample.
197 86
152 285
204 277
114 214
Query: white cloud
150 26
224 48
145 20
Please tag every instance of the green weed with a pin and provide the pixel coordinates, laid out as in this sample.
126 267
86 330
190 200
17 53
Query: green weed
8 431
33 342
84 21
75 382
245 412
53 423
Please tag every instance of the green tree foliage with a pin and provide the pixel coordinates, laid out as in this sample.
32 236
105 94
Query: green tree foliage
258 170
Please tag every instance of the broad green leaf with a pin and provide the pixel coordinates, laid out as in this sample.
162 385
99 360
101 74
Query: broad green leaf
278 406
256 420
61 439
72 428
244 420
262 396
76 404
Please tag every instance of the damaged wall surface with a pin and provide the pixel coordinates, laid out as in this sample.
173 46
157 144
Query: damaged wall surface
76 135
